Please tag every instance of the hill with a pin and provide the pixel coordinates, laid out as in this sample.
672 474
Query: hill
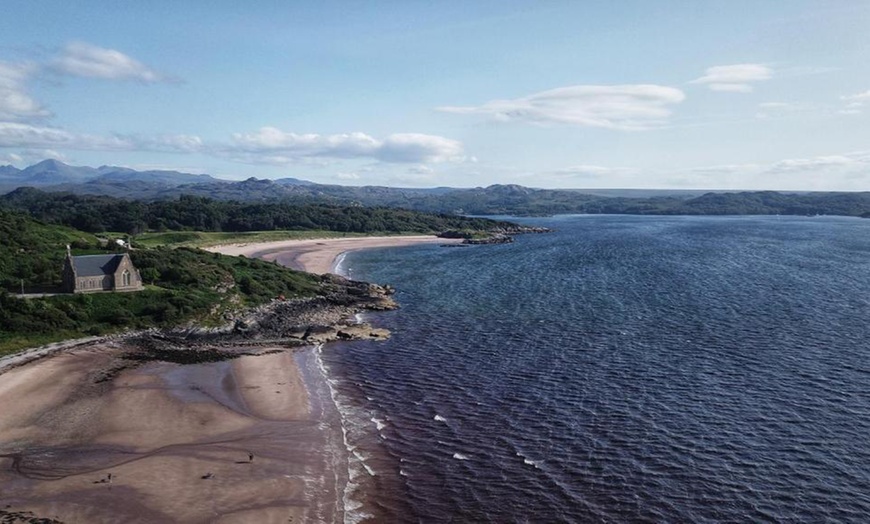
96 214
182 285
497 199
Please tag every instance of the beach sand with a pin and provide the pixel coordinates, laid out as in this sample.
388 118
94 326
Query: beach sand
158 430
319 255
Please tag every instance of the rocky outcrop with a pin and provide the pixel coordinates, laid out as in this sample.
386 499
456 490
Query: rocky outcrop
332 316
501 235
494 239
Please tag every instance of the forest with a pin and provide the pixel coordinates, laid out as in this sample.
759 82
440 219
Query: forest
98 214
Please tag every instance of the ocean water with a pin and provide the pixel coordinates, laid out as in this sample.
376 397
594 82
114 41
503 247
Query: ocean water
621 369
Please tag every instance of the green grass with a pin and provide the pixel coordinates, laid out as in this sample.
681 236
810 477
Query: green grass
200 239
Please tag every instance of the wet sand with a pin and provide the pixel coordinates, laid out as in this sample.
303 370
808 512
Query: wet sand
319 255
158 430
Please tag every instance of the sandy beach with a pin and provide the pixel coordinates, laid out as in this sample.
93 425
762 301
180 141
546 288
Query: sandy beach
319 255
176 441
87 438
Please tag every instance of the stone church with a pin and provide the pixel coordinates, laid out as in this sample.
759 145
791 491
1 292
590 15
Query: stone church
93 273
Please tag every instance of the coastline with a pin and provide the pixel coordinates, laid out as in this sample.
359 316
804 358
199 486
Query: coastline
319 255
175 438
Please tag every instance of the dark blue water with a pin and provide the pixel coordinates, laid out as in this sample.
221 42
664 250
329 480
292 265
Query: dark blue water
621 369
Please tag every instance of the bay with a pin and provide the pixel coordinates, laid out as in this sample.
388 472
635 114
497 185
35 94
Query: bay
620 369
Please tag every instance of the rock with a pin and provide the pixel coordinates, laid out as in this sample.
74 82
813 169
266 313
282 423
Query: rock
494 239
362 332
315 320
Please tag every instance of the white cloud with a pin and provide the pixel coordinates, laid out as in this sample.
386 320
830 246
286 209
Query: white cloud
87 60
274 144
416 147
815 163
591 171
169 143
846 171
10 158
21 135
15 103
735 78
624 107
779 109
420 170
267 146
730 88
347 176
855 103
859 98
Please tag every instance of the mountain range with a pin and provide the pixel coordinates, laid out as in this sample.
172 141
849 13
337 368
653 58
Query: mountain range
500 199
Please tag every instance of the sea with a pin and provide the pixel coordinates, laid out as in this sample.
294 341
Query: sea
618 369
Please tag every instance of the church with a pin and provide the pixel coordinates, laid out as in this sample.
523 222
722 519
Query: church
95 273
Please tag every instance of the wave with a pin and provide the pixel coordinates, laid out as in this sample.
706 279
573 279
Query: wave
339 267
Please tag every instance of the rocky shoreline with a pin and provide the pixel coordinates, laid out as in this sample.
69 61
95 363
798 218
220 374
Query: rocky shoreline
286 323
503 235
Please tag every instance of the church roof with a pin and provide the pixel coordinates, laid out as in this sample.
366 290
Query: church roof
96 265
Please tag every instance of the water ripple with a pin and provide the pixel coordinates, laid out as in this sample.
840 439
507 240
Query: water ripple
623 369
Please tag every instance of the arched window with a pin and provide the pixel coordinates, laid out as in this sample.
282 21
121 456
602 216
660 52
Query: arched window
125 278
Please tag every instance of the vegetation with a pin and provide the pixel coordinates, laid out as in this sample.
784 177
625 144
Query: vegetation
183 284
212 238
96 214
33 252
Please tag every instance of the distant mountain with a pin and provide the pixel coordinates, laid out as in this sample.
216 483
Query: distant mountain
9 172
169 178
50 173
499 199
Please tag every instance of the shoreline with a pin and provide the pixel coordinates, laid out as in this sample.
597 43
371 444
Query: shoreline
320 255
175 438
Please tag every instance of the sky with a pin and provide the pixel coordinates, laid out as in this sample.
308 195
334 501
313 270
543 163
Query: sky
684 94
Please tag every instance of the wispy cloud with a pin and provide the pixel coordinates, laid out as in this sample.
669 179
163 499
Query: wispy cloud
269 145
855 103
859 98
589 171
623 107
10 158
15 102
816 163
845 171
87 60
780 109
77 59
24 135
273 144
735 78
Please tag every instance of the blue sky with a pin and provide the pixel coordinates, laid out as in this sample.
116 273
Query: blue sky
603 94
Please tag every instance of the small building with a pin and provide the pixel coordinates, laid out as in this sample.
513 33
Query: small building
94 273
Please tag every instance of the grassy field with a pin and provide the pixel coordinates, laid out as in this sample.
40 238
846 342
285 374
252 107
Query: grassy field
200 239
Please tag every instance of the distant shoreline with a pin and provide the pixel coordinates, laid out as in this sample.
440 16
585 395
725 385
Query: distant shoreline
319 255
